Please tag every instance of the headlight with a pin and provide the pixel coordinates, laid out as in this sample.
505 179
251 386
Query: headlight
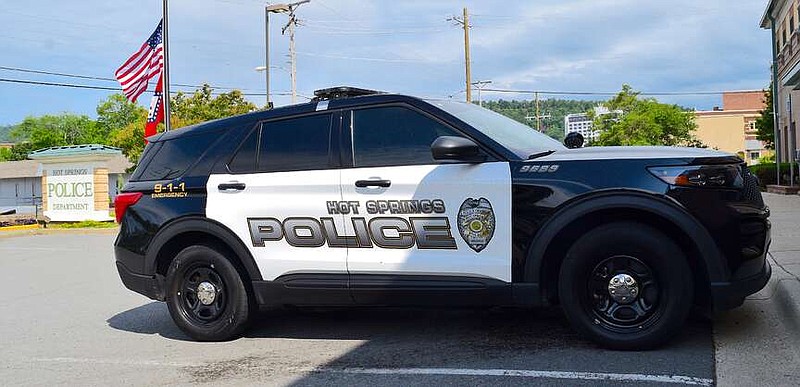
708 176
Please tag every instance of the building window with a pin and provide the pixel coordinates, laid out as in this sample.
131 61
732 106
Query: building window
754 155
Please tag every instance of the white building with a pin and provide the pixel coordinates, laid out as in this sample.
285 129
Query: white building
582 123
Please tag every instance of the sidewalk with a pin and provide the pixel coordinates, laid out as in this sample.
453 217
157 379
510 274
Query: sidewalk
759 343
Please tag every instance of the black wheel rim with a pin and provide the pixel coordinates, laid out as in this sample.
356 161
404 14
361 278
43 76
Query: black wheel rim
635 312
194 296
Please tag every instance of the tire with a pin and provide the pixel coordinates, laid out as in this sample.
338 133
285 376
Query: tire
628 319
206 295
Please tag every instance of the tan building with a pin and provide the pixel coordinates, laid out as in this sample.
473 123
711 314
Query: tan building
781 17
69 183
733 127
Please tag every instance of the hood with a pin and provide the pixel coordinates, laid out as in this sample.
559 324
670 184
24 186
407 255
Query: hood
641 152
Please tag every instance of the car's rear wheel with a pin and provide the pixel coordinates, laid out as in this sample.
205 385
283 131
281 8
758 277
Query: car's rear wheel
626 286
206 296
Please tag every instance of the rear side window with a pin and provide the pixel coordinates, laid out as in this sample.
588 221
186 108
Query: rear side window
295 144
175 156
245 159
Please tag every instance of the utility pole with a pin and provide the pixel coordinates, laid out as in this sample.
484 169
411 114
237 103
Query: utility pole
538 118
292 54
479 85
165 70
464 22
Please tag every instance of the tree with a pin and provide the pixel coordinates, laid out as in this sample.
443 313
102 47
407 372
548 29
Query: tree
130 139
556 109
202 106
50 130
765 124
116 112
5 154
186 110
643 121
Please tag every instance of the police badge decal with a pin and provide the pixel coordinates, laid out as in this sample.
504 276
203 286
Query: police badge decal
476 223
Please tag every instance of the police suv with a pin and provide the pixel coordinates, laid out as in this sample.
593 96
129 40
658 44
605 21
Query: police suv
366 198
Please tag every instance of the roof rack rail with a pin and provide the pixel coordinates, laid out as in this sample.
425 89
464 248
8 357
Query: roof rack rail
341 92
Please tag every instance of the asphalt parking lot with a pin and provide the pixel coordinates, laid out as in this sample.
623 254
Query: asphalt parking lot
67 319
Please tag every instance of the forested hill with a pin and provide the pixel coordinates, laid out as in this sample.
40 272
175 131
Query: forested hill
4 133
556 108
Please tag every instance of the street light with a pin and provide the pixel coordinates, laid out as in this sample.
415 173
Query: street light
275 8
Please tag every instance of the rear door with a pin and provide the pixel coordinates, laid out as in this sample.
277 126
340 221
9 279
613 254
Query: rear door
275 196
420 224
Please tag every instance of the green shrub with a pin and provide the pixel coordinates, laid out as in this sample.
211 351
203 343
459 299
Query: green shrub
767 175
84 224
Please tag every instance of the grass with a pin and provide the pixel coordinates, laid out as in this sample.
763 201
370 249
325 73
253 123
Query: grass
83 224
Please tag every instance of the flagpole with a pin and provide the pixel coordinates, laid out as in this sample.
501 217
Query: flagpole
165 37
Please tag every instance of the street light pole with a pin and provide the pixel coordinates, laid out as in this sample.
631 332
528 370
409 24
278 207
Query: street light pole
266 52
278 8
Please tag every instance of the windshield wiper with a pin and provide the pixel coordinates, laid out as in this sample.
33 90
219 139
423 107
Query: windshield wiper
541 154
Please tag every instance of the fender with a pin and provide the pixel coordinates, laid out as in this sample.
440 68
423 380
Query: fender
659 205
204 225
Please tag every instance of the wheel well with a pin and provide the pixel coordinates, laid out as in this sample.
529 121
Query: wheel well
556 251
191 238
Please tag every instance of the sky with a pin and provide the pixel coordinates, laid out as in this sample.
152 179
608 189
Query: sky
398 46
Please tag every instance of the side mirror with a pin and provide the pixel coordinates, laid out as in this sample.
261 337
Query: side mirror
573 140
456 149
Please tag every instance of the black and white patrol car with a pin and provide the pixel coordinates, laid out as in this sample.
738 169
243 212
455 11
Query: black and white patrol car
365 198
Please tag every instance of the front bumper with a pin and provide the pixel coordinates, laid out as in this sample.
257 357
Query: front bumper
151 286
729 295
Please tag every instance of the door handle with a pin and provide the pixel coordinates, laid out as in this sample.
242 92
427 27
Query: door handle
231 186
373 183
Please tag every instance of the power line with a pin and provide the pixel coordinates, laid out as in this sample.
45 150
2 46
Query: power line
106 79
93 87
603 93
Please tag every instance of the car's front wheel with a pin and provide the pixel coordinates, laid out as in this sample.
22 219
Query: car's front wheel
626 286
206 296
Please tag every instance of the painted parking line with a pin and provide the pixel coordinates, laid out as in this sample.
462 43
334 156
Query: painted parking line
678 379
532 374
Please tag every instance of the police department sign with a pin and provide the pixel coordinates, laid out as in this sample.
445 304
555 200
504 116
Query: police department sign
69 192
70 189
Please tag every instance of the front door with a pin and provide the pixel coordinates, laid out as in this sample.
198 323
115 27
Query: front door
421 225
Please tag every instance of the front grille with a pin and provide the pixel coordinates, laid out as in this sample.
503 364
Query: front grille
751 192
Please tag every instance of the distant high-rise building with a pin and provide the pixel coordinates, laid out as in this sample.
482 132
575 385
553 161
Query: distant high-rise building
582 123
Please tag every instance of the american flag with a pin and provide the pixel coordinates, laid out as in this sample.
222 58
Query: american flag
146 63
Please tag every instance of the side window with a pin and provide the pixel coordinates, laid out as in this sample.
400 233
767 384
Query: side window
295 144
245 158
176 155
388 136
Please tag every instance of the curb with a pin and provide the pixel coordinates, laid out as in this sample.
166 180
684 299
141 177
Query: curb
23 227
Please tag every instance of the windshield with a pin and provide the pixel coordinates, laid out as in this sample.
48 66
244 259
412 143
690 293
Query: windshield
516 137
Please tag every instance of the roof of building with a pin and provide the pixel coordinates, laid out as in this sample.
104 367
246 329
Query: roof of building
749 112
765 22
20 169
74 150
117 164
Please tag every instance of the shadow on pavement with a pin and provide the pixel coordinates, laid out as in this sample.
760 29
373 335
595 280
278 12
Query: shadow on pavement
412 338
483 329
